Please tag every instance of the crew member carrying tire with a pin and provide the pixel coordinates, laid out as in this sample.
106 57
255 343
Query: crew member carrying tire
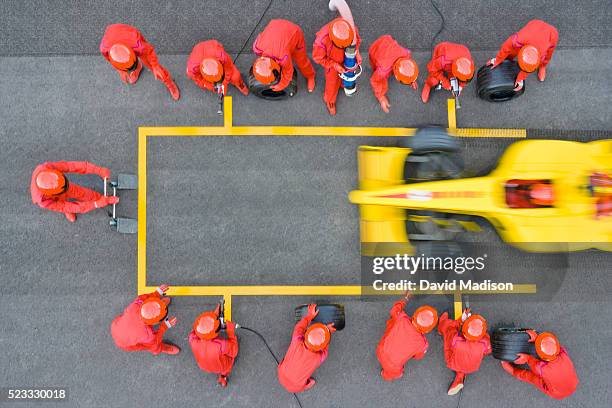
404 338
213 353
328 51
210 66
51 190
387 56
133 330
277 47
449 61
533 47
307 351
126 50
552 373
466 343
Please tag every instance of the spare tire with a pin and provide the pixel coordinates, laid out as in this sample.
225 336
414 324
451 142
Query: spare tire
497 85
328 313
507 342
264 91
431 139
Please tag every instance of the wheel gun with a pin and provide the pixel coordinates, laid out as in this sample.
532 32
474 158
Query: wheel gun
220 89
455 90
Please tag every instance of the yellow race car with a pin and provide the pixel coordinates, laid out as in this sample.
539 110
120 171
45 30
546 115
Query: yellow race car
543 196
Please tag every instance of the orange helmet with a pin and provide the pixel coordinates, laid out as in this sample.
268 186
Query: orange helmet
405 70
463 69
122 57
341 33
51 182
317 337
547 346
425 319
153 310
529 58
206 325
474 328
541 194
265 70
211 70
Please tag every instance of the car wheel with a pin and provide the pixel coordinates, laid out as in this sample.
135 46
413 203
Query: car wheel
431 139
264 91
508 342
328 313
497 85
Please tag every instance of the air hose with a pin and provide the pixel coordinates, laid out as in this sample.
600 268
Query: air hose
271 353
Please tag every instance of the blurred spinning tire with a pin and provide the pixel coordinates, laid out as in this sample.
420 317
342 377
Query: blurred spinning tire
328 313
263 90
497 85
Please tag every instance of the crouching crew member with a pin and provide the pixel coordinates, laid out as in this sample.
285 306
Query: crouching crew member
449 61
210 66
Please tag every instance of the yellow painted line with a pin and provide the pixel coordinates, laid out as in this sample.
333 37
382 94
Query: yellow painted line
142 212
452 113
458 303
227 112
486 133
228 306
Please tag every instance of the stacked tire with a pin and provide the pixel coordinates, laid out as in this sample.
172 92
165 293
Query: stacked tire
497 84
265 91
328 313
507 342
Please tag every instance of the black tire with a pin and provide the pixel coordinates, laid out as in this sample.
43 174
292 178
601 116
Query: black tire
328 313
431 139
497 85
507 342
263 90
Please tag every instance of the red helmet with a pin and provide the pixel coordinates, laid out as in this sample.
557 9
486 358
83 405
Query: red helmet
122 57
51 182
541 194
405 70
317 337
341 33
206 325
265 70
474 328
463 69
425 319
529 58
153 310
547 346
211 70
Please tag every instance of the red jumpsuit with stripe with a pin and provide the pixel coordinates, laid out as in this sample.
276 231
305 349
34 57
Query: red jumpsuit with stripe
541 35
283 41
296 369
130 333
440 66
131 37
556 378
400 343
462 355
215 355
383 53
325 53
212 49
75 200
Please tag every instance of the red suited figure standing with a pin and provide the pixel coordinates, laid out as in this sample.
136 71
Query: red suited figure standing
449 61
134 329
126 49
532 46
210 66
51 190
387 56
466 343
328 51
552 373
213 353
404 338
278 46
307 351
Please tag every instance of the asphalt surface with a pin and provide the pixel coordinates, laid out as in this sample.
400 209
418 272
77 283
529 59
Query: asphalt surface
257 211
